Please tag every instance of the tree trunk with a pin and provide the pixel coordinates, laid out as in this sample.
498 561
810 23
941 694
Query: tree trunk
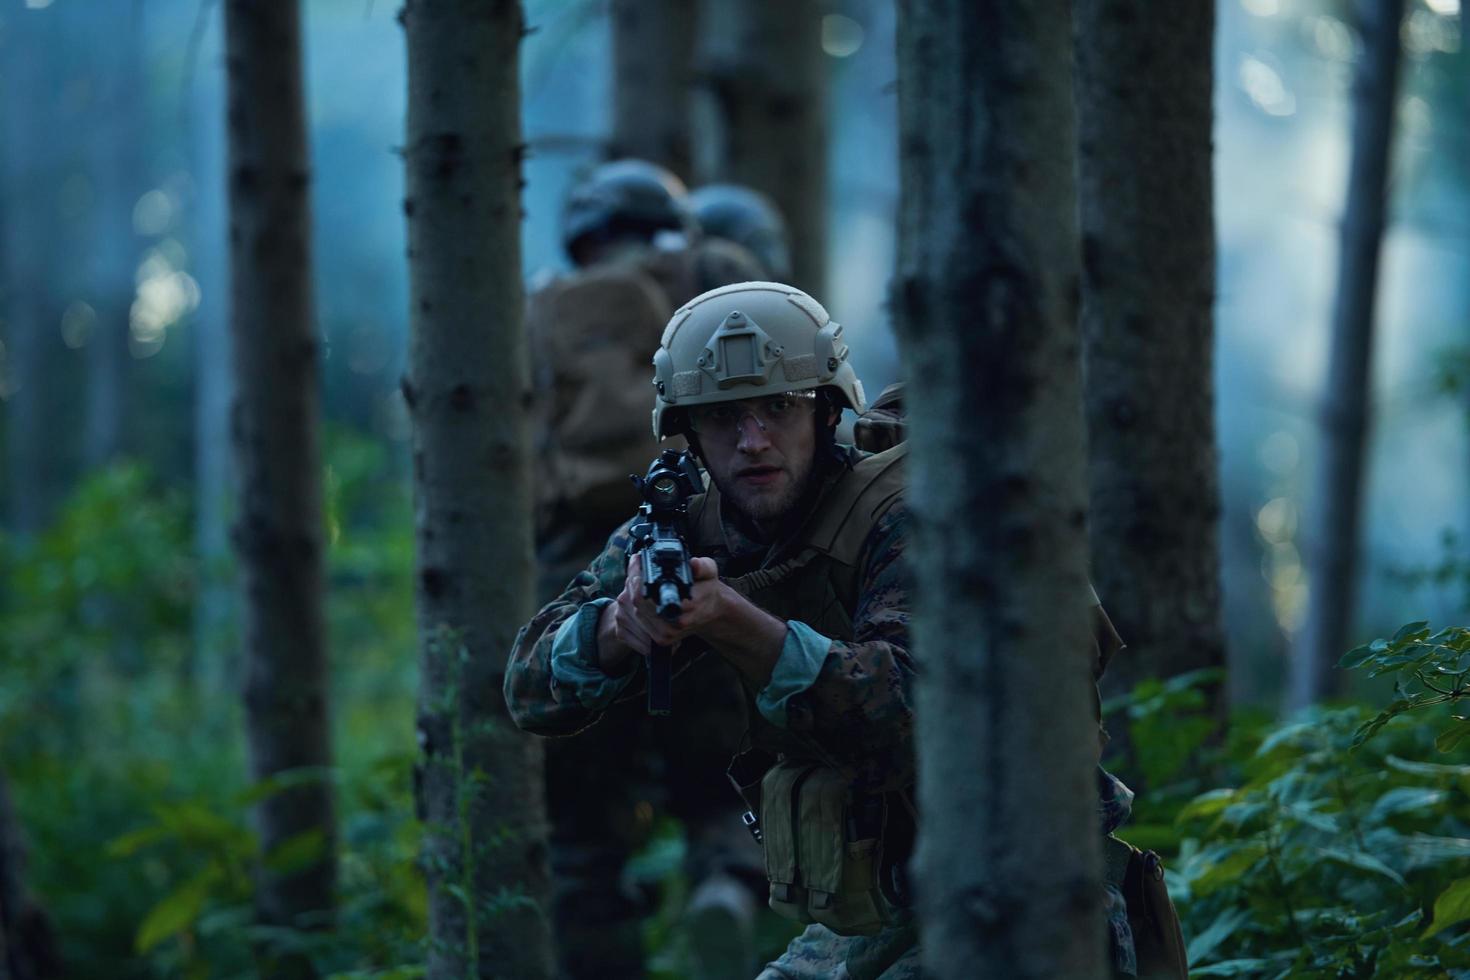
28 947
116 164
1337 499
216 661
765 91
278 534
1008 859
1144 89
653 51
30 247
467 389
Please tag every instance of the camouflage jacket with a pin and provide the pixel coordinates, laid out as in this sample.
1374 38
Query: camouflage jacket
857 706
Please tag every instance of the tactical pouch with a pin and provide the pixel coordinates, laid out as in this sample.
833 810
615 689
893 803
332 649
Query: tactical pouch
824 848
1158 940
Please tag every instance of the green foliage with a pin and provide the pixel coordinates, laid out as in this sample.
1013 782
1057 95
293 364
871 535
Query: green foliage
1430 670
128 769
1317 853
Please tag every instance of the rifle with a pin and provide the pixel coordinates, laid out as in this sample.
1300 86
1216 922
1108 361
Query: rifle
658 538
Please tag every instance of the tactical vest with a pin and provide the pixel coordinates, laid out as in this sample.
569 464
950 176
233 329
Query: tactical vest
814 577
831 854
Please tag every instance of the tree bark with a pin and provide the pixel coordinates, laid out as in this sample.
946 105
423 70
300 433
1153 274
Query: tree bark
653 53
765 90
1008 857
28 947
1144 121
1333 541
278 534
468 390
117 167
216 664
30 246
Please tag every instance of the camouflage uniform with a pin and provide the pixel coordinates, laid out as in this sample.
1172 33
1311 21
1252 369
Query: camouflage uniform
857 706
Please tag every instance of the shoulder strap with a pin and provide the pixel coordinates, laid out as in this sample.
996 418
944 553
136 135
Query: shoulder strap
856 504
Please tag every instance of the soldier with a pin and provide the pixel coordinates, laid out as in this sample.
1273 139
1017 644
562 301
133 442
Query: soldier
749 219
630 234
800 588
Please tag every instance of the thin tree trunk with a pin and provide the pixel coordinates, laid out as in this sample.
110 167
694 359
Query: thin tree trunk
765 89
28 947
1144 89
116 152
1333 542
31 230
1008 864
216 667
653 51
468 387
278 535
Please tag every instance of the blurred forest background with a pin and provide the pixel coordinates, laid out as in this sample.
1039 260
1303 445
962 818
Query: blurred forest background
120 726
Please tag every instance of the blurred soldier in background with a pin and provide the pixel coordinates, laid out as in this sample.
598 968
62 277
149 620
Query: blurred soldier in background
748 218
639 256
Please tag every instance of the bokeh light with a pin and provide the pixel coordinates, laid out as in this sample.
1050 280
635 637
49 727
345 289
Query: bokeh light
841 36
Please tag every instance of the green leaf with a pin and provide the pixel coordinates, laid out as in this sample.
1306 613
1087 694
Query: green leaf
1231 968
195 823
1409 655
1355 657
1404 799
1451 907
285 779
131 843
1228 868
1195 678
1284 734
1206 805
1363 862
176 912
1205 942
1417 630
1427 849
297 852
1431 769
1453 736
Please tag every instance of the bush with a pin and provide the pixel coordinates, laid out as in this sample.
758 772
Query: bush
1336 845
128 770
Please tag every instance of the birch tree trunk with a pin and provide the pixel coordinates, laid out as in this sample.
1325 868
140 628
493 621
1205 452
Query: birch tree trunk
1008 857
765 88
1144 115
278 534
467 389
1336 503
653 53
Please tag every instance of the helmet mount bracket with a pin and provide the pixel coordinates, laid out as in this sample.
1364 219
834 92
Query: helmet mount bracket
739 352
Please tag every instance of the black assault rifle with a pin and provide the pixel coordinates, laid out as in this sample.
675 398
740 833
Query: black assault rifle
658 538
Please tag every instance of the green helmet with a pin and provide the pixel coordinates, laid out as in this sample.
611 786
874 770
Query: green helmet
746 217
744 341
624 199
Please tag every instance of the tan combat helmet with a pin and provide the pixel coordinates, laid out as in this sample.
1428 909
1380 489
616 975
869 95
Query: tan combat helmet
744 341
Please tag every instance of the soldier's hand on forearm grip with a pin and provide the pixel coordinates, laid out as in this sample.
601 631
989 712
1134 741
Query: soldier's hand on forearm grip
626 627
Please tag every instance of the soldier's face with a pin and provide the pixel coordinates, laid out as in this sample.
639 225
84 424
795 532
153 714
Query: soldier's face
761 467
